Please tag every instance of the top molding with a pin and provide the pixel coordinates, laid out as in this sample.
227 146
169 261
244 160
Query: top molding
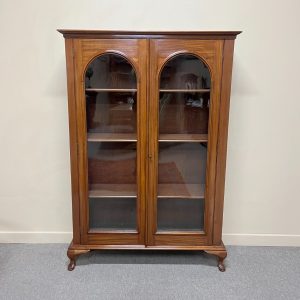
111 34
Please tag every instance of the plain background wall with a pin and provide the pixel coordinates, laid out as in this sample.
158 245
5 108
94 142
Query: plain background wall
262 203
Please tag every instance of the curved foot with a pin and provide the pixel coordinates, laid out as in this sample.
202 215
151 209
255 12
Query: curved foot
221 265
73 255
71 265
221 254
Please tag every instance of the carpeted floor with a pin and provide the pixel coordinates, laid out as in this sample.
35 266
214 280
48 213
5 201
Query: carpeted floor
40 272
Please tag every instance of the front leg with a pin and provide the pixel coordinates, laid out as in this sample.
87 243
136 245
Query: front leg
221 265
73 255
221 255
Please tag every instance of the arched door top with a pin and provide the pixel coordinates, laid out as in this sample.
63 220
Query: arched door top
185 71
110 71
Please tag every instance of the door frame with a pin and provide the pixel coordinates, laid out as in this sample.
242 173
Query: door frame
161 50
136 52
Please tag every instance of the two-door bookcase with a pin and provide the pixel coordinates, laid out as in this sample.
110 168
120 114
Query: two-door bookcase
148 119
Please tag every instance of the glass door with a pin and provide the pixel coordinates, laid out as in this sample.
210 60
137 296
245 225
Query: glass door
111 116
182 195
113 147
182 149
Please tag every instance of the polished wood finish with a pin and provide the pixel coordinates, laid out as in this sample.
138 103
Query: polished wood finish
160 52
73 140
222 140
221 254
73 253
148 53
136 52
94 34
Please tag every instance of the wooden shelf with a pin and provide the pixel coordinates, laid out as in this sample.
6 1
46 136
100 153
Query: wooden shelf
110 90
113 191
112 230
111 137
166 190
191 138
184 90
174 190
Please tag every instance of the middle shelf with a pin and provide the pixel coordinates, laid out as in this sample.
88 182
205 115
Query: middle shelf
131 137
111 137
108 190
166 190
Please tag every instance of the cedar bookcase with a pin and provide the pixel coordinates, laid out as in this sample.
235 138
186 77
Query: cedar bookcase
148 119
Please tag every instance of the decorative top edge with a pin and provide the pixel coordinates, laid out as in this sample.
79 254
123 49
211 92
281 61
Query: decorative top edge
79 33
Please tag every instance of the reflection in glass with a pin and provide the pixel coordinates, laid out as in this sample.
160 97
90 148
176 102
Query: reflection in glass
185 71
184 102
181 169
111 95
112 214
180 214
112 168
110 71
184 113
109 112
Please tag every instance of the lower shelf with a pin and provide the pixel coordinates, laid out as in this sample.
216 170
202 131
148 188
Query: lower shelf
112 230
194 138
174 190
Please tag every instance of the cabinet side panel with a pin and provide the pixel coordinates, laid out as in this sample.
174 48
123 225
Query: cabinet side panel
222 140
73 140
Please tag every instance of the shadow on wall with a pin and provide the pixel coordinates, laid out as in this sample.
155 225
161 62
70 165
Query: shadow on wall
243 82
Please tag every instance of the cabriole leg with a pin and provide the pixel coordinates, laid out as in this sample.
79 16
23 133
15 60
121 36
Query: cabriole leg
73 255
221 255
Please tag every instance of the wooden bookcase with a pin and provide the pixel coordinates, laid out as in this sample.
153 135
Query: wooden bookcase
148 118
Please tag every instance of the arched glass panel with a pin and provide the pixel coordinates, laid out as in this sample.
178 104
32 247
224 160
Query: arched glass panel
111 114
183 135
111 86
